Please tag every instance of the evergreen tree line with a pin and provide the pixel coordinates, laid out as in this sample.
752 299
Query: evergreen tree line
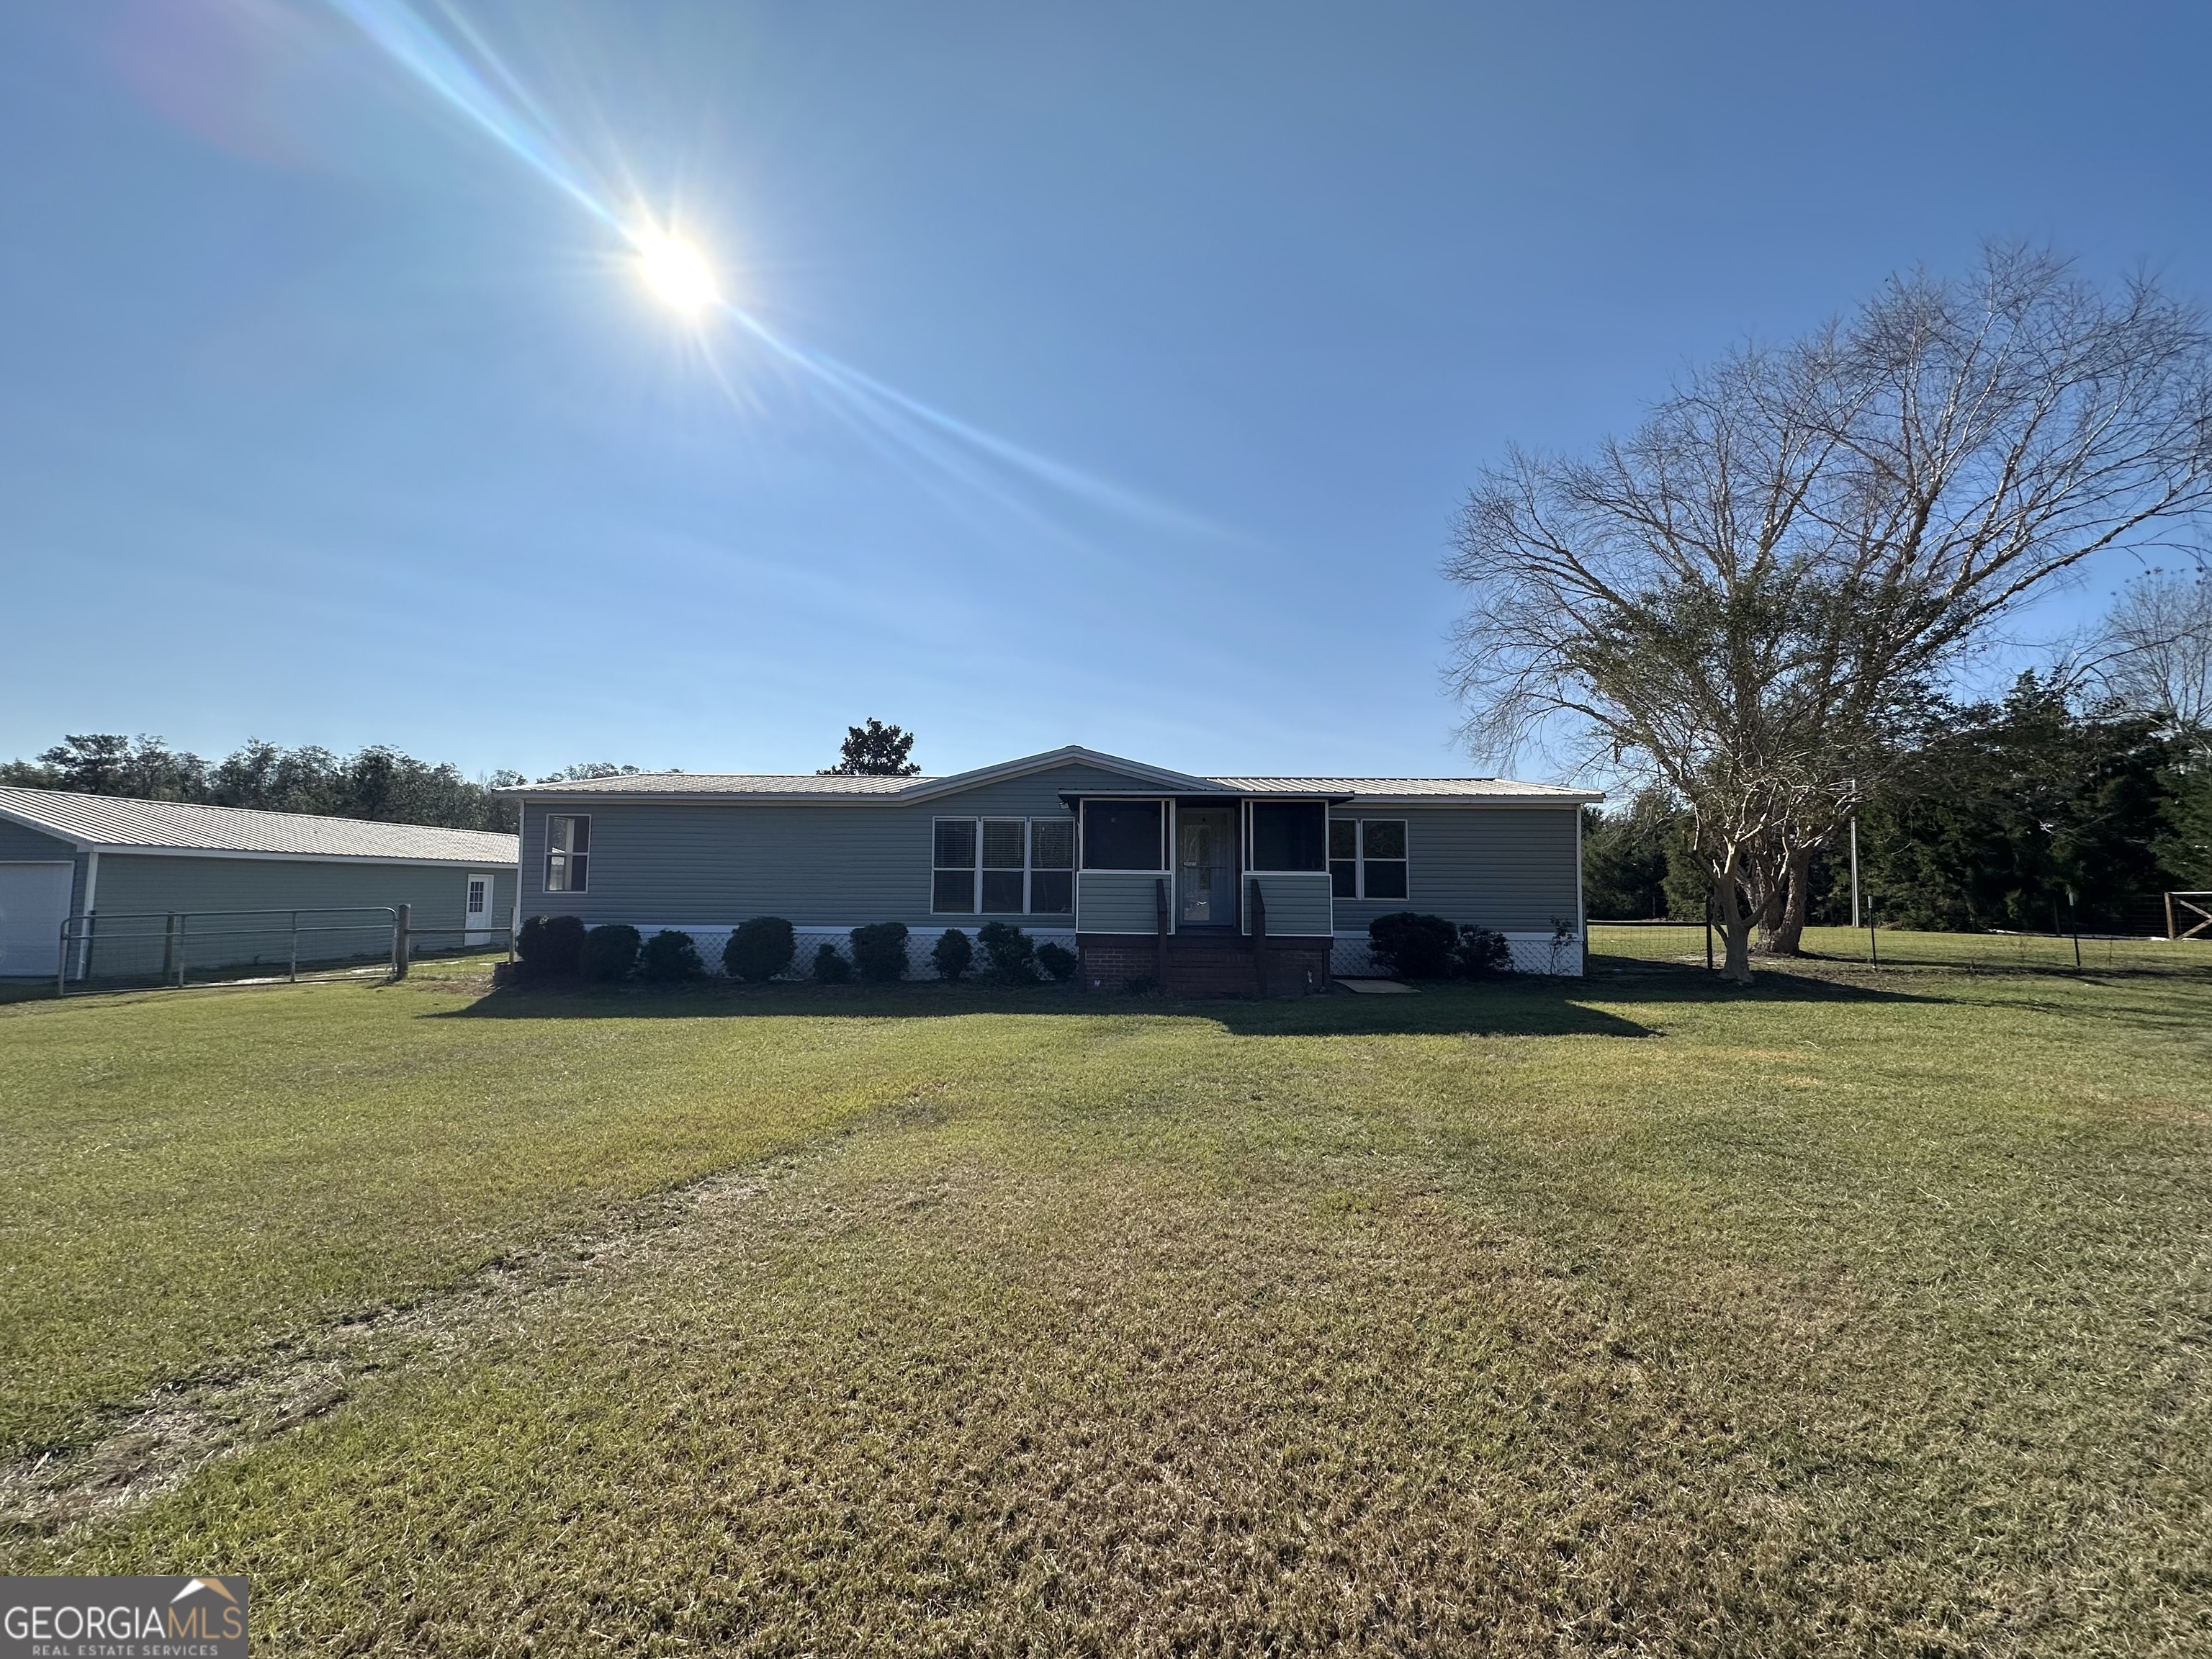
1999 810
378 782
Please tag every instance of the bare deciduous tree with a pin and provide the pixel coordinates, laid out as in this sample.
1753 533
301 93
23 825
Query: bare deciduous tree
2158 647
1751 600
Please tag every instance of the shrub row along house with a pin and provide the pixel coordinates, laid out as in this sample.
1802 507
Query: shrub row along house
1206 884
109 865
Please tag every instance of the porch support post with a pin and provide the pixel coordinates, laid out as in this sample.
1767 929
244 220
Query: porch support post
1259 935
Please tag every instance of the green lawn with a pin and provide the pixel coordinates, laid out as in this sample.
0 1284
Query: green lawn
1863 1314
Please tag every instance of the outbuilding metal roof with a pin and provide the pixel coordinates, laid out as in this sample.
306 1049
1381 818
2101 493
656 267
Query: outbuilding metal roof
116 822
1143 779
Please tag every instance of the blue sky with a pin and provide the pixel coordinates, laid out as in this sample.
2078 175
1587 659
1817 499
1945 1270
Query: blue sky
324 417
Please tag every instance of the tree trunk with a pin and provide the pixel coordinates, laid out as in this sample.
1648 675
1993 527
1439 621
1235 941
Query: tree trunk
1765 877
1786 937
1735 922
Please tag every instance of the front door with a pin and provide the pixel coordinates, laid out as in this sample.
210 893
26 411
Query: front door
1205 869
480 918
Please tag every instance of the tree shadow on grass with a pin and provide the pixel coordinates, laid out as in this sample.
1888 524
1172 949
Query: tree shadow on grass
1508 1007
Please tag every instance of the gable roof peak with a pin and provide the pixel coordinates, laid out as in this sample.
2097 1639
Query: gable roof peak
1137 771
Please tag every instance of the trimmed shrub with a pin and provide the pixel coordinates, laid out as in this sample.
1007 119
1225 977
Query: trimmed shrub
551 947
670 958
879 951
760 949
1481 954
1058 960
951 954
1414 946
830 968
609 952
1012 953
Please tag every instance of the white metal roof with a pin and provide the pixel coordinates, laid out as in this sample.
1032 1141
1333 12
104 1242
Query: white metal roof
773 785
1490 789
113 822
801 785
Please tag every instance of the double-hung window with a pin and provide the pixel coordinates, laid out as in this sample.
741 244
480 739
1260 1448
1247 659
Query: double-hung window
952 879
1052 866
1367 858
1006 863
1003 867
567 852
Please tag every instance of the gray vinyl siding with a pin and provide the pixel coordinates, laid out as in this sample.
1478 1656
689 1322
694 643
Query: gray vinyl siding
20 844
817 864
1118 901
844 863
135 883
1512 868
1296 905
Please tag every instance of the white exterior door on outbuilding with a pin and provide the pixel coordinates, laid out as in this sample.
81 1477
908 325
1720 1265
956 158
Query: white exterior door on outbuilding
34 902
480 919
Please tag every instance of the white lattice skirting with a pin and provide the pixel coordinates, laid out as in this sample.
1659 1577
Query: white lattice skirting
1533 953
919 942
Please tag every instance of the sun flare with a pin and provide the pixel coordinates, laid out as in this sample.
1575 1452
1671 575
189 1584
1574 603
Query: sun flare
675 271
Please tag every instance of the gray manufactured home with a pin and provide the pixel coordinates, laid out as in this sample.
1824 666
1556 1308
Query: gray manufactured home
87 859
1206 883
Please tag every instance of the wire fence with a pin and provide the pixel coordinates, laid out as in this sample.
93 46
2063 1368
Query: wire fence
1694 944
173 949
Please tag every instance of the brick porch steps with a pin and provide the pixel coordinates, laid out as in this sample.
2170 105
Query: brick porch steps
1204 965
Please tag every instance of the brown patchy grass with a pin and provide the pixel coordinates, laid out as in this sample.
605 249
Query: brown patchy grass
1613 1320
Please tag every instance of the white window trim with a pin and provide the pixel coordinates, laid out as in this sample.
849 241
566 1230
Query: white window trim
977 871
1359 893
546 868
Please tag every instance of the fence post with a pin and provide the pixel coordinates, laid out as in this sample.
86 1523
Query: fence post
1160 946
1708 935
184 940
400 943
169 946
1873 951
294 977
2170 933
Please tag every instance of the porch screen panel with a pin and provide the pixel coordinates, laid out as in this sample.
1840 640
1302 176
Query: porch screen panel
1121 835
1290 836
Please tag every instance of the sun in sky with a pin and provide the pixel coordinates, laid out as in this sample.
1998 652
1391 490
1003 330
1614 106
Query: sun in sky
675 271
